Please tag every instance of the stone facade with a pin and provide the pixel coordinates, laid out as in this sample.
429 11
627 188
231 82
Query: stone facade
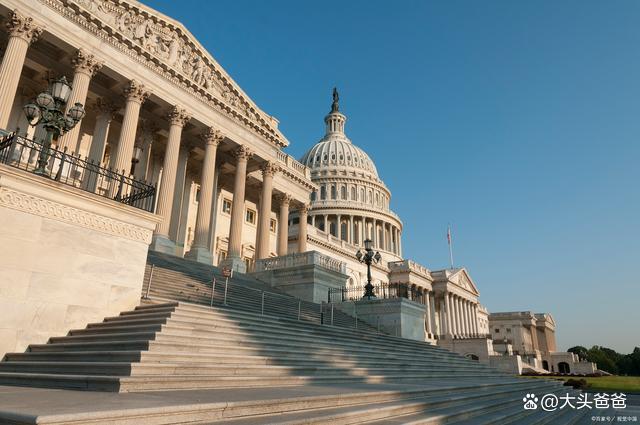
227 194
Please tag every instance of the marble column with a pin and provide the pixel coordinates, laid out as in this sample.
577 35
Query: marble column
22 31
283 224
428 313
135 94
145 142
264 216
475 319
470 320
303 210
467 318
105 111
181 198
433 312
339 227
449 322
85 67
234 256
326 223
463 330
352 231
200 249
178 118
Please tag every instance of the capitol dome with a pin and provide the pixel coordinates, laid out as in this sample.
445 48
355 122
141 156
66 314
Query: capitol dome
335 150
352 202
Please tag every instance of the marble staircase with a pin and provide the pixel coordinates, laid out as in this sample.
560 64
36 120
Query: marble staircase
177 359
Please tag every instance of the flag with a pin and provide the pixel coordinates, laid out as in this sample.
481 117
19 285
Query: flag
449 234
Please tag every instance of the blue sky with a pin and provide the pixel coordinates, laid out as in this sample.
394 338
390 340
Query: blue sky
518 122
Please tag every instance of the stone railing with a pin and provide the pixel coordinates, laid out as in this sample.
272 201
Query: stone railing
302 259
292 164
411 266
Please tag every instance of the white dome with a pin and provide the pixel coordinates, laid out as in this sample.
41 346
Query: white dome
334 151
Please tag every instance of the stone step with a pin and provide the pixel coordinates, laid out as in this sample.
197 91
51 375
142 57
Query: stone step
274 350
184 335
474 403
192 382
286 358
216 369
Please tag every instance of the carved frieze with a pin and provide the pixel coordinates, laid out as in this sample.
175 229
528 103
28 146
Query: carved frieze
167 49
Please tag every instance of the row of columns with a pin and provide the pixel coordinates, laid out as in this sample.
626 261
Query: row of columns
459 317
359 228
23 31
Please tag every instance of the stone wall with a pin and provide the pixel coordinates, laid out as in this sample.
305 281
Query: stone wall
67 258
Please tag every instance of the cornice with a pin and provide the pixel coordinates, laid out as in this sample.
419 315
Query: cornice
170 51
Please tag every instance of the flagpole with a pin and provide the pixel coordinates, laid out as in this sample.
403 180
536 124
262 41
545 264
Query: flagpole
450 245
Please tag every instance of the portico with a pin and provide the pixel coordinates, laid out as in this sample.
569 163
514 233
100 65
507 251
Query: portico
150 88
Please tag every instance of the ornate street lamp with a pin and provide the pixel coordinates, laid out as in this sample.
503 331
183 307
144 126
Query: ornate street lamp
137 155
368 257
49 110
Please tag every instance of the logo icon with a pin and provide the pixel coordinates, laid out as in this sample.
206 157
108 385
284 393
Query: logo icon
530 402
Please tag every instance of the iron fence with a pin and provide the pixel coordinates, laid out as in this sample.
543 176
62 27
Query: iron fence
381 290
70 169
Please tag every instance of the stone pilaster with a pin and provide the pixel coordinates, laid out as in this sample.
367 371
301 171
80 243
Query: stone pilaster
135 94
22 32
178 118
200 248
234 256
263 234
303 211
85 67
283 224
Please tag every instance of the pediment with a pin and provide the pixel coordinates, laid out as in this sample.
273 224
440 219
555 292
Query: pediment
171 50
462 279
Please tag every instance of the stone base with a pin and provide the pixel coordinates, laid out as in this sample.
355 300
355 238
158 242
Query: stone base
67 258
201 255
399 317
163 244
234 263
308 280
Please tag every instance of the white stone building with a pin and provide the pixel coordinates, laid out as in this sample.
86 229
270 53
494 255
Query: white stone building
160 109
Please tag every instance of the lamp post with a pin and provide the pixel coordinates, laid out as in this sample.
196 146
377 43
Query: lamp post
48 109
368 257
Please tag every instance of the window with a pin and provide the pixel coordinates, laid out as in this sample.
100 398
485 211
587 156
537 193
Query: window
323 192
272 226
251 217
354 193
333 192
226 206
313 196
497 330
344 192
222 255
197 197
509 330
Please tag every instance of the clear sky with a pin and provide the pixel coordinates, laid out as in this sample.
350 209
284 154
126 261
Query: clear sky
518 122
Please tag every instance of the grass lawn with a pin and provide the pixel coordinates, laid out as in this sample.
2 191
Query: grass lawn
625 384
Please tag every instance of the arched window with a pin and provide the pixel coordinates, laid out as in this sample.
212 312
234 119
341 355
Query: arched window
343 192
377 199
323 192
313 196
369 197
545 365
333 192
354 193
563 367
362 195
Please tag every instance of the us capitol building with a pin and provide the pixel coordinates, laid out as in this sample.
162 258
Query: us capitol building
200 172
